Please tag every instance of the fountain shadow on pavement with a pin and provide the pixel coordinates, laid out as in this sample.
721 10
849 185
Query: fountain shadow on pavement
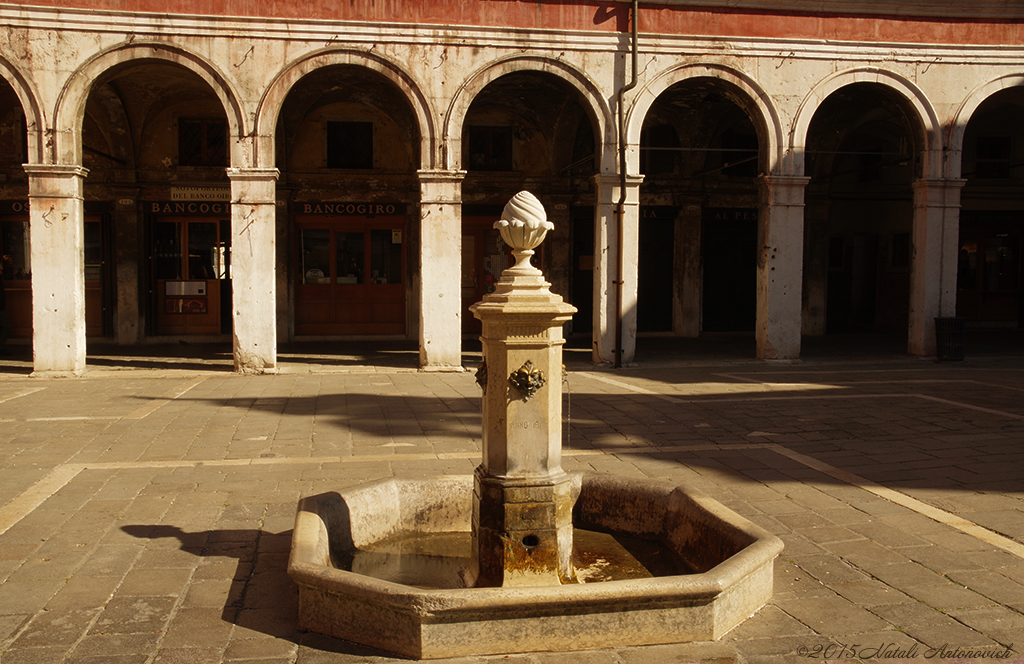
261 598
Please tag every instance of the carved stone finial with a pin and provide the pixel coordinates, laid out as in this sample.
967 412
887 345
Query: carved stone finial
523 225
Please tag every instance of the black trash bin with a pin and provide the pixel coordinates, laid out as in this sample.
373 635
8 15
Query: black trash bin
949 338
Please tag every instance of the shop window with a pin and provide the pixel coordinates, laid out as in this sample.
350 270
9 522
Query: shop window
167 250
385 256
93 252
490 148
967 266
316 255
350 145
190 251
350 257
992 157
202 142
1002 266
204 261
14 250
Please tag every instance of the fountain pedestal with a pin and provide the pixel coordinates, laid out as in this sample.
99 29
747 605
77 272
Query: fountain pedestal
523 500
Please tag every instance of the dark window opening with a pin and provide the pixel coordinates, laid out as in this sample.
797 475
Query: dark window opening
350 145
659 148
836 253
900 250
992 157
202 143
739 154
490 148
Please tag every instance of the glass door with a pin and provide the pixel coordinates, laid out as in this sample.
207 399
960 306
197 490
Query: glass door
351 277
191 266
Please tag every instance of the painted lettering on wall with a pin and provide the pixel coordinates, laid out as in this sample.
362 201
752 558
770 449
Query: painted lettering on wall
179 207
347 208
13 207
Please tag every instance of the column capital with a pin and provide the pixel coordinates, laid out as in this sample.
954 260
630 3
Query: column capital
784 190
55 180
613 180
55 170
253 186
250 174
938 192
440 175
440 187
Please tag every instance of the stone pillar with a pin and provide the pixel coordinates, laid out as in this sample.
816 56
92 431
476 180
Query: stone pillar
57 223
610 308
522 508
127 316
253 257
440 270
780 235
936 244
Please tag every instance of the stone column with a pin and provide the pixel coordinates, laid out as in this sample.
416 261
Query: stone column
522 508
780 235
936 243
253 258
440 270
610 308
57 223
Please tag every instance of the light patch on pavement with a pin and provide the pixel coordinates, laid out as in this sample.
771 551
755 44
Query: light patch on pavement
704 389
23 393
152 407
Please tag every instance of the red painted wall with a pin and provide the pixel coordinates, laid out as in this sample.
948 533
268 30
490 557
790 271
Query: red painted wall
596 15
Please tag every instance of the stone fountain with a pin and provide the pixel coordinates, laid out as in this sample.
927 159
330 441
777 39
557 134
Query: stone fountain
497 562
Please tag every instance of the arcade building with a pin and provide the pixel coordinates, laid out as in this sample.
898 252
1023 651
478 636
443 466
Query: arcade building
270 172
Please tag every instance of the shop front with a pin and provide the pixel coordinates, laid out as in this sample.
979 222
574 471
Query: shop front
989 276
15 239
191 268
350 269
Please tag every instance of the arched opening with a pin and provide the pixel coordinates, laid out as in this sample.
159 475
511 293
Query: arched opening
529 130
347 149
862 158
699 155
15 256
990 279
156 141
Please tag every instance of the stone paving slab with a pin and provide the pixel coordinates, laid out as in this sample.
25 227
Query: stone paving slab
160 525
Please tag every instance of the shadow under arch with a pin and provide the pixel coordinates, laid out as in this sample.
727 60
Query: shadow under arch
962 117
35 117
749 96
272 102
70 112
589 96
927 127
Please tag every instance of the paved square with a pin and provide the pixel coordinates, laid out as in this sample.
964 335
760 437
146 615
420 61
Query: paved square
146 515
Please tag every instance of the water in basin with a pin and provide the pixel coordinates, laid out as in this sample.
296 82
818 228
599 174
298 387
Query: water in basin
436 560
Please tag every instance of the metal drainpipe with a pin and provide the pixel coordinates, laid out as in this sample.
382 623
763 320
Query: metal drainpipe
621 208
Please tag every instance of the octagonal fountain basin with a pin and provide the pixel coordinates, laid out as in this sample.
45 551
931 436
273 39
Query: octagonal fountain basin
381 565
